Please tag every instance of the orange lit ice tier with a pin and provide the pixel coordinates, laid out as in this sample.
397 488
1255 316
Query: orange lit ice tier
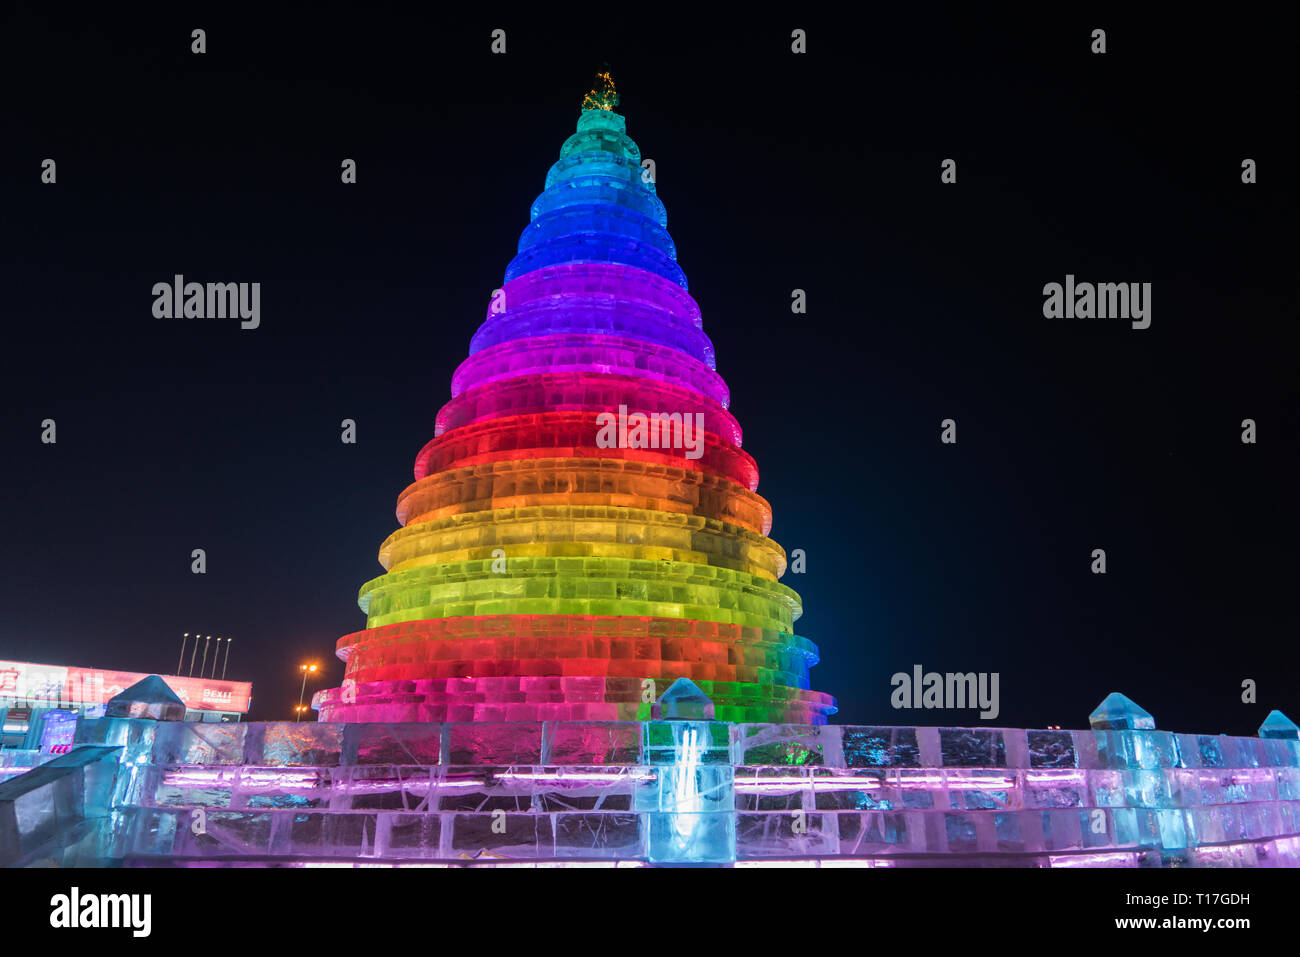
584 527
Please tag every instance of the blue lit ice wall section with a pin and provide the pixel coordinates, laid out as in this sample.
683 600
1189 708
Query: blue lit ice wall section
689 803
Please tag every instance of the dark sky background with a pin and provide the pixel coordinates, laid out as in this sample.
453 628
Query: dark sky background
778 171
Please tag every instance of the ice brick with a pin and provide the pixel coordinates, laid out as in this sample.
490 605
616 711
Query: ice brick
867 747
663 741
1136 749
961 833
599 836
380 787
690 838
867 833
393 744
972 747
213 790
767 788
193 742
224 833
1051 749
135 736
504 836
592 743
414 836
788 744
1014 832
287 743
494 743
841 789
1282 752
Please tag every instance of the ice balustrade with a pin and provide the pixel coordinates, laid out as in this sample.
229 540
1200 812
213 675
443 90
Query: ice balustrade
682 790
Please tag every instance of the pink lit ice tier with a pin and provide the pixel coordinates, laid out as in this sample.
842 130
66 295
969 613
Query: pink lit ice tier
584 527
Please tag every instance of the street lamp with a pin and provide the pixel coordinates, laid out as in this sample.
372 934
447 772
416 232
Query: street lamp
306 670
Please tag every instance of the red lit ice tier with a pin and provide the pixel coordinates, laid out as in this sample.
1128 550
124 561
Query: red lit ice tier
584 528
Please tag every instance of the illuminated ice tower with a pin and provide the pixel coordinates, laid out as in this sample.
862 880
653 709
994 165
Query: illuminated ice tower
584 528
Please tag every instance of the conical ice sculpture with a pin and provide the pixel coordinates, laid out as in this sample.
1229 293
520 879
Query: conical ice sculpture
584 528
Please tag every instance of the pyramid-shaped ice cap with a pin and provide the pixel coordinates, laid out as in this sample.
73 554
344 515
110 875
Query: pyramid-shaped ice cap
1278 725
683 701
1120 713
147 698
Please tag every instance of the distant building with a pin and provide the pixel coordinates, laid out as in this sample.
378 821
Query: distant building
28 691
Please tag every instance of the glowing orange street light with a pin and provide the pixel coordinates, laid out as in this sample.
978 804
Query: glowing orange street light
306 670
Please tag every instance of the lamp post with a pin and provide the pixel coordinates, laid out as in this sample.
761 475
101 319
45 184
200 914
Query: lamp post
306 670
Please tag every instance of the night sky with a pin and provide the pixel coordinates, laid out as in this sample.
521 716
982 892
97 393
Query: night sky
779 171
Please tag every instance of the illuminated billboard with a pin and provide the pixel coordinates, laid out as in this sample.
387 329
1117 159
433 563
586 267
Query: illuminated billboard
25 681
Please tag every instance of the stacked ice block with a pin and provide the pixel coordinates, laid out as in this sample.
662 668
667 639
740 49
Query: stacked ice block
544 573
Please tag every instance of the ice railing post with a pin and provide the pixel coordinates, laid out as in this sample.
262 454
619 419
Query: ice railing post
689 804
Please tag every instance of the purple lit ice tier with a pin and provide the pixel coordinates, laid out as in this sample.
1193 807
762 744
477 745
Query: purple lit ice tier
586 392
585 479
635 793
592 298
616 355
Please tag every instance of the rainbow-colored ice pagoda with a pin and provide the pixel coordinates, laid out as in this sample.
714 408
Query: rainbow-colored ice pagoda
584 528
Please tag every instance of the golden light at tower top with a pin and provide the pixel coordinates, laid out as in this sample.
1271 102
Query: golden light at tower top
602 96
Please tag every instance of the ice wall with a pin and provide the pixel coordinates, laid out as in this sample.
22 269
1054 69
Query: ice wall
696 791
